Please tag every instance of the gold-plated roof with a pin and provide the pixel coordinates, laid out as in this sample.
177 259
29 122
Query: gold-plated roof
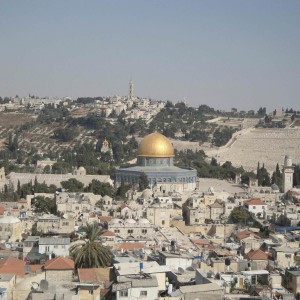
155 145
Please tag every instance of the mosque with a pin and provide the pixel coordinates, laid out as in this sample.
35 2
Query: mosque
155 159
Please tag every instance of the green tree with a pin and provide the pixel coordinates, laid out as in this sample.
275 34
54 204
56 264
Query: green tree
65 134
143 182
43 204
100 188
72 185
214 162
90 253
122 190
240 215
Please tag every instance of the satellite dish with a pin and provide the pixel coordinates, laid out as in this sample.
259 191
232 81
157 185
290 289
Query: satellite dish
44 285
35 285
7 245
180 270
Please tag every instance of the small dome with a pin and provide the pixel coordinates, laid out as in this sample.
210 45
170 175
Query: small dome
130 221
147 193
155 145
81 168
143 221
274 187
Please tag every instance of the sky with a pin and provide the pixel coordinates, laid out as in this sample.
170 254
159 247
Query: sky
228 53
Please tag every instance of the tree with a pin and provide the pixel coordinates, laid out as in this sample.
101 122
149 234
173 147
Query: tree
143 182
72 185
90 253
122 190
214 162
240 215
65 134
100 188
44 205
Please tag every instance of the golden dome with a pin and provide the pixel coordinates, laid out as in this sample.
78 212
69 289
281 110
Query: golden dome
155 145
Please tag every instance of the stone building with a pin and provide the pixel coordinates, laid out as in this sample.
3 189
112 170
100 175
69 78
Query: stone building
159 214
130 228
52 224
59 269
10 229
202 209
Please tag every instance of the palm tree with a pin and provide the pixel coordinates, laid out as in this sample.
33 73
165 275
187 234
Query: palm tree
90 253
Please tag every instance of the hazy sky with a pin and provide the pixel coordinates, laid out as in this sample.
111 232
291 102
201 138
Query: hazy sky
226 53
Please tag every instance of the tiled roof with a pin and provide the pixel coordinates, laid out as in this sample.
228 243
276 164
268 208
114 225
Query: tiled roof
87 275
200 242
35 268
123 205
59 263
257 255
130 246
105 218
216 205
108 233
254 201
94 275
12 265
245 234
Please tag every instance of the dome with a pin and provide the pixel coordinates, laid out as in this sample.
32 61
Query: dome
155 145
130 221
274 187
144 221
147 193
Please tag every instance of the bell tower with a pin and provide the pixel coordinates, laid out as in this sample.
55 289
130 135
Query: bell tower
288 171
131 91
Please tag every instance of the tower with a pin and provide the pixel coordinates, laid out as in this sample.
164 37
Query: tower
131 91
288 171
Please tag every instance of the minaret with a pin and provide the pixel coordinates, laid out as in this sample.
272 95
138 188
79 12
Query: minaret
131 90
288 171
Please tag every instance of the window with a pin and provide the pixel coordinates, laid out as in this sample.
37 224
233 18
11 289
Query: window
117 231
130 230
91 292
254 207
143 293
123 293
163 222
55 246
144 230
65 223
196 220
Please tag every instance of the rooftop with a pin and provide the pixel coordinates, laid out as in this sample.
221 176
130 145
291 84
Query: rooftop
59 263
